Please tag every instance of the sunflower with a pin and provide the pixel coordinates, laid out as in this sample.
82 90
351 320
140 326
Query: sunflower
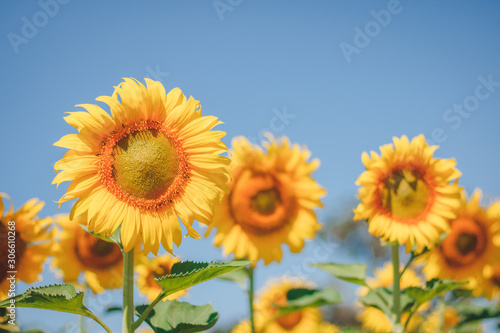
489 283
406 194
270 202
77 251
373 319
25 242
154 161
245 327
433 323
470 246
149 269
305 320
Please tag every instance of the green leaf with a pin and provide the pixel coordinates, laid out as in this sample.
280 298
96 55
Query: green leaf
239 276
61 297
300 298
381 298
114 238
349 330
433 288
112 309
354 273
187 273
179 317
469 327
471 313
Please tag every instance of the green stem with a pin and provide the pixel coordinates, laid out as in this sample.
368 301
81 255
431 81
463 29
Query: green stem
413 257
396 309
82 324
150 307
441 308
250 296
128 291
91 315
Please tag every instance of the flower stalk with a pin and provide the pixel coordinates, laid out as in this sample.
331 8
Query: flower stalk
251 296
396 309
128 291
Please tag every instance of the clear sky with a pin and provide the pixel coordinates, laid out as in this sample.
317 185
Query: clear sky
340 77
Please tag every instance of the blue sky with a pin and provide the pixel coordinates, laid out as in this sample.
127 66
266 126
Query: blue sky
344 77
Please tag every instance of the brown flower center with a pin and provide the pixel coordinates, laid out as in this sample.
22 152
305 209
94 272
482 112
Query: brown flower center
10 241
265 202
144 165
259 203
405 194
289 321
96 253
466 242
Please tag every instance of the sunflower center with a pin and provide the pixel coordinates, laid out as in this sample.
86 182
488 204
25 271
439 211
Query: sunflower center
265 202
96 253
465 244
6 238
405 194
146 164
290 320
259 203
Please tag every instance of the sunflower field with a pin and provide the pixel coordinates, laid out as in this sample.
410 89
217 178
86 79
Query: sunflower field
125 207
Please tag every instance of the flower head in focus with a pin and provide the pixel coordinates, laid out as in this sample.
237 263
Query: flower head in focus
153 162
406 194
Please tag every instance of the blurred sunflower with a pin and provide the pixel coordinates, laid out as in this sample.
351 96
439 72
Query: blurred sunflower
33 243
156 159
470 246
305 320
244 327
489 283
406 194
77 251
433 323
149 269
374 320
271 201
